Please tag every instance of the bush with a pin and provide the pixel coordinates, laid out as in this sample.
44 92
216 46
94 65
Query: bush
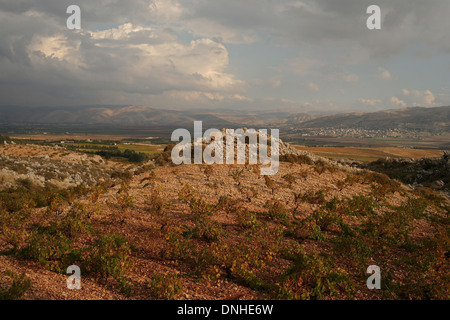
12 229
201 209
385 184
73 223
311 197
110 256
324 218
300 159
277 211
246 218
361 205
289 178
208 170
128 154
205 229
165 287
315 277
20 285
156 204
225 203
51 247
165 157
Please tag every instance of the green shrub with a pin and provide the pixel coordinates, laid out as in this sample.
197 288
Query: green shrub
19 287
123 198
360 205
385 184
51 247
156 204
246 218
110 256
324 218
225 203
317 197
205 229
315 277
199 208
74 222
277 211
354 248
165 287
299 159
12 227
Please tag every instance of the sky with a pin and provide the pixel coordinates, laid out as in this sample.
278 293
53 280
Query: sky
308 56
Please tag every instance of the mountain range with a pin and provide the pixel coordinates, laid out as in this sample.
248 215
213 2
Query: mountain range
416 118
411 118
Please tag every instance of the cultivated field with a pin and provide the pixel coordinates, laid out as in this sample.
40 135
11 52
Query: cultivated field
371 154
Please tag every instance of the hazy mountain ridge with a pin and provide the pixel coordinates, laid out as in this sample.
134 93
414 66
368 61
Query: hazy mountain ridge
103 115
411 118
143 116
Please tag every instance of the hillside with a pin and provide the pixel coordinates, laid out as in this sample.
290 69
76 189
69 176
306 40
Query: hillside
432 119
428 119
223 232
103 115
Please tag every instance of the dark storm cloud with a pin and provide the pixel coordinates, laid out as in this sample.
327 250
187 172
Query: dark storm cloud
405 22
140 48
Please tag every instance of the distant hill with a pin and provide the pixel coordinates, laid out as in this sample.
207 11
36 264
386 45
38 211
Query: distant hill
411 118
104 115
431 119
300 118
142 116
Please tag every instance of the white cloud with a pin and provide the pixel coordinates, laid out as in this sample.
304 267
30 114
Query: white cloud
313 87
129 59
420 98
383 74
126 31
370 102
55 47
146 48
350 78
414 98
396 102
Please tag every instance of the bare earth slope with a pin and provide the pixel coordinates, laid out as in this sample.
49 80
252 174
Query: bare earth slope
226 232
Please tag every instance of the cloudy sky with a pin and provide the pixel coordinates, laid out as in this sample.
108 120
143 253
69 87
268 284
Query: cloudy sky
229 54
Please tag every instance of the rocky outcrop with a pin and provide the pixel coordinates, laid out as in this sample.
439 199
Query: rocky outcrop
427 172
42 170
285 149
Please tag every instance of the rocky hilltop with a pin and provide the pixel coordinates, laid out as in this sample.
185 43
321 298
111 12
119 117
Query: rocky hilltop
428 172
49 166
285 150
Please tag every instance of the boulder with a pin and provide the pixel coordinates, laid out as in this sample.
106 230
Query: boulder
438 185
